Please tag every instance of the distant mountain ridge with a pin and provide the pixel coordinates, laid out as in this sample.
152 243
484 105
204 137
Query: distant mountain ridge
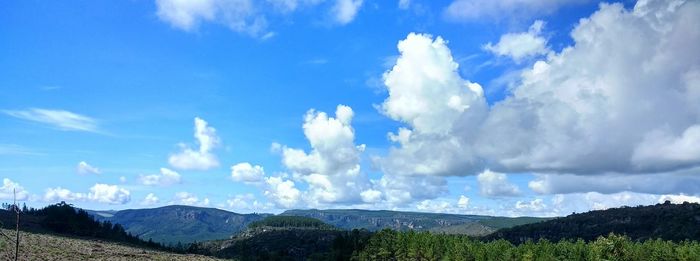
373 220
186 224
177 223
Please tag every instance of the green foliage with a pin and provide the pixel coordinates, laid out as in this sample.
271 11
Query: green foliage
290 243
676 222
290 221
393 245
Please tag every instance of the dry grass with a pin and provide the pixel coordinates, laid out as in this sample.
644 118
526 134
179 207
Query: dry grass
50 247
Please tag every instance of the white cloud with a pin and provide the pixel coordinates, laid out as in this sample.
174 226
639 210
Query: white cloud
494 184
282 192
435 206
59 119
247 203
110 194
679 199
238 15
84 168
245 172
661 148
476 10
588 108
463 201
371 196
399 190
61 194
189 199
427 93
332 168
536 205
519 46
166 178
100 193
9 188
661 183
150 200
630 82
122 179
344 11
202 158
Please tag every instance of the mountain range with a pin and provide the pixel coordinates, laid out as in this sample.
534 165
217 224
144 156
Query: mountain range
185 224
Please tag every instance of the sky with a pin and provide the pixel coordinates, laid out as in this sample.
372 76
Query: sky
508 107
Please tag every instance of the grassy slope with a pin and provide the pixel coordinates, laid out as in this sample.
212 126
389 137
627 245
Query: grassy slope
49 247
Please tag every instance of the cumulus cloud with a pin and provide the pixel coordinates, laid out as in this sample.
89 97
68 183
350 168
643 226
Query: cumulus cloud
109 194
332 167
282 192
463 201
476 10
245 172
61 194
59 119
84 168
519 46
9 188
371 196
201 158
427 93
400 190
150 200
100 193
628 84
494 184
660 183
436 206
166 178
189 199
564 118
344 11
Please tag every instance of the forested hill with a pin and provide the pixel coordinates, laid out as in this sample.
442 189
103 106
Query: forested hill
667 221
374 220
180 224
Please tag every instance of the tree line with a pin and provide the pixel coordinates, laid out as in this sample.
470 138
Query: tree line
393 245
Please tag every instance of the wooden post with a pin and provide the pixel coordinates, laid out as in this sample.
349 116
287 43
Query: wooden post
17 210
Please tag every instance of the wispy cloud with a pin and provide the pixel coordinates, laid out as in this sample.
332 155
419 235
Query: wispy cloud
12 149
60 119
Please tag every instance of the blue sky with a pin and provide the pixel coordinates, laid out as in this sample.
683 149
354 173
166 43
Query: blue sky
463 106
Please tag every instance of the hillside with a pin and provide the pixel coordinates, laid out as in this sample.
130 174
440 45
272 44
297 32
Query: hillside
63 219
35 246
184 224
374 220
667 221
286 238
